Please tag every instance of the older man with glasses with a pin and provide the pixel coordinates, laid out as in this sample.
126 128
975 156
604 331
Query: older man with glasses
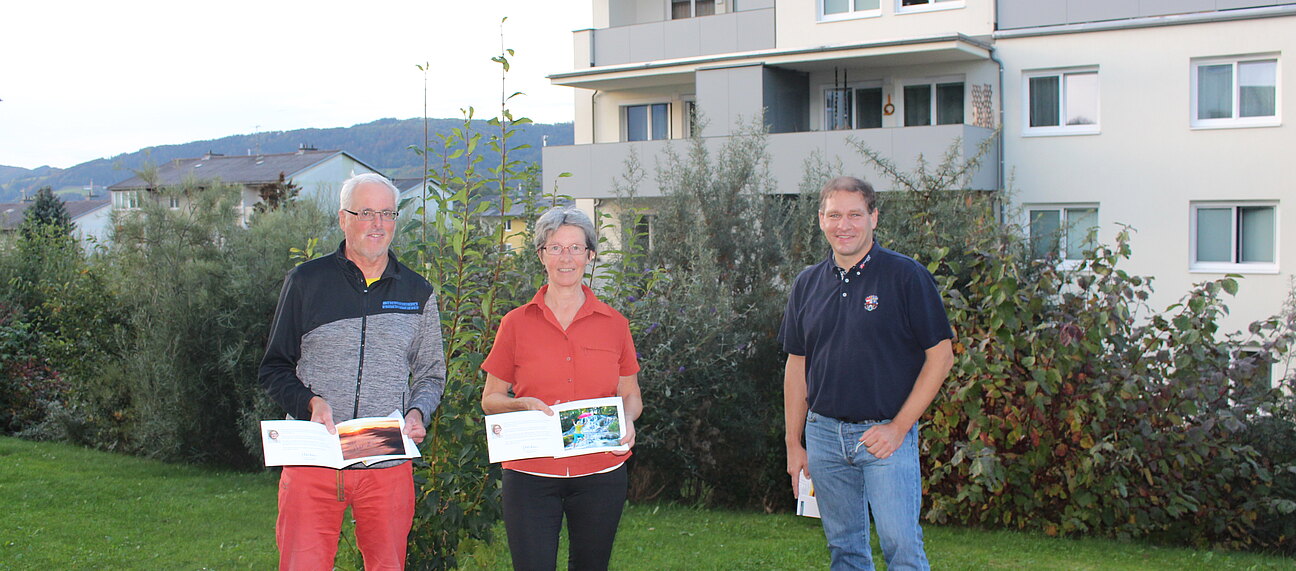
356 334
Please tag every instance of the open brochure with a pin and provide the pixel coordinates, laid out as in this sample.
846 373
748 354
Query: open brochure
576 427
306 443
806 505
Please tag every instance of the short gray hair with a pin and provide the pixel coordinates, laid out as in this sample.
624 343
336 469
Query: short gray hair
348 187
560 216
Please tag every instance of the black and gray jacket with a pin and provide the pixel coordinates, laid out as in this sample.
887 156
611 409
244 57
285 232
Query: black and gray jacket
367 350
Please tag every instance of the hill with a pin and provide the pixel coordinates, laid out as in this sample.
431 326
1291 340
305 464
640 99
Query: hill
383 144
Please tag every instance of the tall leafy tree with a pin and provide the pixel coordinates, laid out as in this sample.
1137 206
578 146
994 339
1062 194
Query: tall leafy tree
48 210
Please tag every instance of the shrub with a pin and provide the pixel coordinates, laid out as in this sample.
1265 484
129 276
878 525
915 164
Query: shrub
1072 407
705 301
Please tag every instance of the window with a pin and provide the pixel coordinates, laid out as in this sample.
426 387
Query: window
649 122
904 6
1235 92
681 9
1062 231
691 125
853 107
1062 102
846 9
1229 237
126 199
943 101
643 229
174 202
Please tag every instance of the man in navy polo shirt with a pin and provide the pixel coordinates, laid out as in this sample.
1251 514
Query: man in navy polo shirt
868 347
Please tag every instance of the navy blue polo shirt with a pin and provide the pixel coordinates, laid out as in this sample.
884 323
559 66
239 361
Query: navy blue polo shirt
864 332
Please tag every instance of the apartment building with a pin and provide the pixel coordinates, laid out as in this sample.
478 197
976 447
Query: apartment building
1161 115
903 76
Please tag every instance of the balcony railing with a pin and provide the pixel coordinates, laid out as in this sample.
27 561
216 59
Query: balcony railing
596 167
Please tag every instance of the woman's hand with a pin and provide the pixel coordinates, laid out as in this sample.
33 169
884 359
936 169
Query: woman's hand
628 439
532 403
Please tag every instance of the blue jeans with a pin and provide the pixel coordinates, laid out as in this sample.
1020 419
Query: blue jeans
849 483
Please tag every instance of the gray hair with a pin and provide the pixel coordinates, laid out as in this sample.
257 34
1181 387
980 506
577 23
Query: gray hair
348 187
560 216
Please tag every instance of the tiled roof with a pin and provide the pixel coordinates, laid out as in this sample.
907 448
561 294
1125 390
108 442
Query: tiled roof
12 213
241 169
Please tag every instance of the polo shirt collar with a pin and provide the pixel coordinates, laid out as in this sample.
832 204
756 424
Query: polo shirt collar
591 305
858 267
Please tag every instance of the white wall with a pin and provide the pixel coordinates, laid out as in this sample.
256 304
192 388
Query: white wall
95 225
323 182
798 24
1147 164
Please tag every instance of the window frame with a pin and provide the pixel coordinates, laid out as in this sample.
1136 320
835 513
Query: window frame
1064 240
852 87
933 82
929 6
1232 266
1236 121
1062 128
670 10
126 200
689 115
850 14
625 120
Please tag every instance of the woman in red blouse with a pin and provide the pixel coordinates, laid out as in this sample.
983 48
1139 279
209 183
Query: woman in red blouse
563 345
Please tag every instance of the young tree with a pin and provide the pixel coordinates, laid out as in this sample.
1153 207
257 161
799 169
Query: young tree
47 210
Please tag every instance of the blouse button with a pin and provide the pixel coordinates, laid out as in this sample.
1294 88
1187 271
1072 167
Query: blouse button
569 358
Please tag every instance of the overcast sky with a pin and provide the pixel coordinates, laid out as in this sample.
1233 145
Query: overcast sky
80 80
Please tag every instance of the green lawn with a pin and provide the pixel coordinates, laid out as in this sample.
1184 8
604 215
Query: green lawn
71 508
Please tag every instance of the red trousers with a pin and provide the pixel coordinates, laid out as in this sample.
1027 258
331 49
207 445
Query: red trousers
313 499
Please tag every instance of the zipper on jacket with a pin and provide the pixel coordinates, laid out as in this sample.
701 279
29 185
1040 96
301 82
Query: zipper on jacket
364 318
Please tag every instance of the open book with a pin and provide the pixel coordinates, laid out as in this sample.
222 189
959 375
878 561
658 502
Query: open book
576 427
306 443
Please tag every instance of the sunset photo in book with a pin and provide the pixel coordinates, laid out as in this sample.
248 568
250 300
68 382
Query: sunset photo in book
306 443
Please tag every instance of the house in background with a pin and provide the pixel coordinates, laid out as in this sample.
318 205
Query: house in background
91 219
1162 115
1167 117
319 175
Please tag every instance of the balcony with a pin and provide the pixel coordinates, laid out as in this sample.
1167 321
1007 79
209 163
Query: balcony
595 167
734 32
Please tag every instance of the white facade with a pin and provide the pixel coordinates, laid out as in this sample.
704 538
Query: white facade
1149 161
94 226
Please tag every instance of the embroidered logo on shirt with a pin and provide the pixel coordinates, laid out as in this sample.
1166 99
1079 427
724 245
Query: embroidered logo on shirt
405 305
870 303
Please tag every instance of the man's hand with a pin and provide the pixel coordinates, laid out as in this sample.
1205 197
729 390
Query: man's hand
322 413
797 463
882 440
414 426
628 439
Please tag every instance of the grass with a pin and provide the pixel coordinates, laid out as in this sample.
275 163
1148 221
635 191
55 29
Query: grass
72 508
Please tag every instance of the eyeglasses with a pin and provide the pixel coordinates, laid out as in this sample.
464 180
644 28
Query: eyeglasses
556 250
368 214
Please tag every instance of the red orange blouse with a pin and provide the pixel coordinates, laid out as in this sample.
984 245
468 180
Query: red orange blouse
535 355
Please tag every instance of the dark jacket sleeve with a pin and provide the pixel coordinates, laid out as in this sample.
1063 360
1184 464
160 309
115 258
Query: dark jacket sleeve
278 373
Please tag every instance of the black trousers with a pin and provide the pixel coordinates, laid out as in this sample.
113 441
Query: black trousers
534 507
